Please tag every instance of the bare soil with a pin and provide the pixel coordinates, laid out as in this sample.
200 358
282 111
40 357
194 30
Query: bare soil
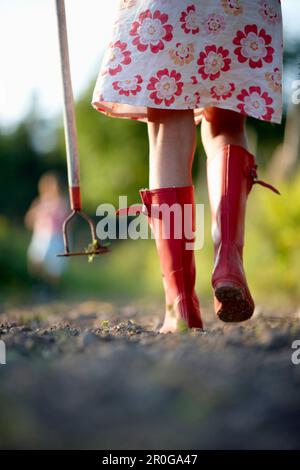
98 375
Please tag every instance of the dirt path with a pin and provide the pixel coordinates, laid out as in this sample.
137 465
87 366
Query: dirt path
96 375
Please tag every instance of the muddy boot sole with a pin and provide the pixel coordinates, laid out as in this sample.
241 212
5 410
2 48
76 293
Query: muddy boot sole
234 306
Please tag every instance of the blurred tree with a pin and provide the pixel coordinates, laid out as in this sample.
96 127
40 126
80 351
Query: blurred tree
21 167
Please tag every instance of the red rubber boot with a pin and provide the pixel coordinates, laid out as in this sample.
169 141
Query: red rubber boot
231 174
177 263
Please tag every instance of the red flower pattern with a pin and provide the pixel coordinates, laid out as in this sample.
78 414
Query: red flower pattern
253 46
171 56
213 61
192 100
165 86
151 30
222 91
119 55
274 79
190 20
129 87
269 13
256 103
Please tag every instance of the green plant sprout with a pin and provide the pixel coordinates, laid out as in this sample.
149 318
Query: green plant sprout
93 247
105 324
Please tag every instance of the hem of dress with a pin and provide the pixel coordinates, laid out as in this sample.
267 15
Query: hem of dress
106 107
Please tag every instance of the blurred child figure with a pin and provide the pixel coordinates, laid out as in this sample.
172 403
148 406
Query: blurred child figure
45 218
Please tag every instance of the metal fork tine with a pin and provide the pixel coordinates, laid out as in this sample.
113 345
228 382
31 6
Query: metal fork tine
95 251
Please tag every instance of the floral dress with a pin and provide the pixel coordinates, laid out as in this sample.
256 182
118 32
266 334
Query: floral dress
184 54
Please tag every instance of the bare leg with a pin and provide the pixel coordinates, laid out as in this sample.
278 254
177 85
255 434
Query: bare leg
172 142
221 127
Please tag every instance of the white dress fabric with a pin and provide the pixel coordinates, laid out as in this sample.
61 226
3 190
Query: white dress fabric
183 54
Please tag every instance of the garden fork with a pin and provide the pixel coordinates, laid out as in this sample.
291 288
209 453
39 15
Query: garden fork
94 248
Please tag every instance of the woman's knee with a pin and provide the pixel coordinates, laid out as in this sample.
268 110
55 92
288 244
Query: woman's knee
224 121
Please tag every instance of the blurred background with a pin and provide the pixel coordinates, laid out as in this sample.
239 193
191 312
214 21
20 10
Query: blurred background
114 161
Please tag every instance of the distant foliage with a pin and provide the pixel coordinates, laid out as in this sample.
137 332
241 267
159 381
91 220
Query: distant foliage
273 247
113 155
21 167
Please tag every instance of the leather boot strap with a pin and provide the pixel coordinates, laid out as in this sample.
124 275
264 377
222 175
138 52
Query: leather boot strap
255 180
